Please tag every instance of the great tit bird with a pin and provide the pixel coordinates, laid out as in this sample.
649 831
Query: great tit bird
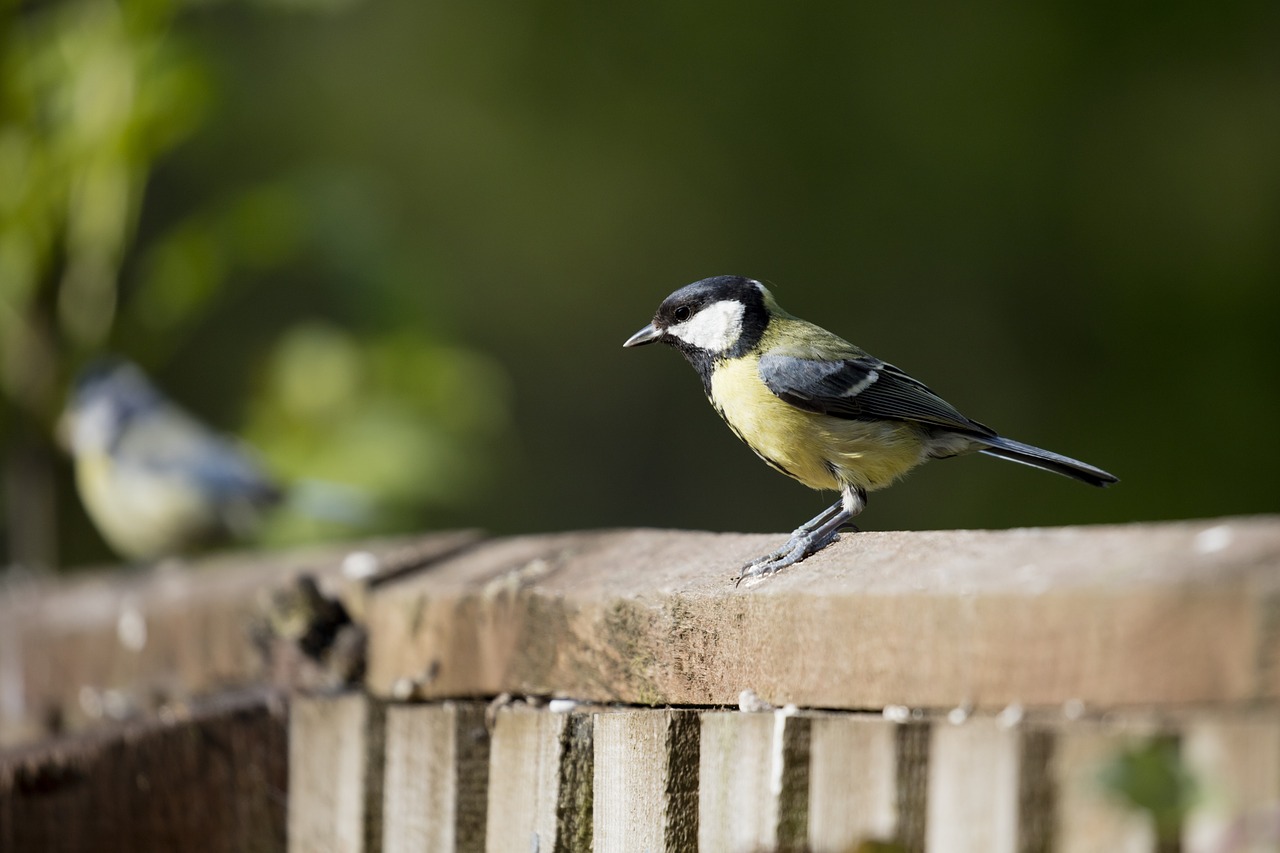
154 480
819 409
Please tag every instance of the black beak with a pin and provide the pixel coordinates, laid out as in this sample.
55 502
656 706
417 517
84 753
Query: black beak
647 335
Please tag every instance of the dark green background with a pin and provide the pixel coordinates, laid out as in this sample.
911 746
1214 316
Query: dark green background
1065 217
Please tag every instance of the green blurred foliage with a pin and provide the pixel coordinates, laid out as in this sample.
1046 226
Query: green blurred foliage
872 846
407 425
92 94
1061 216
375 424
1151 778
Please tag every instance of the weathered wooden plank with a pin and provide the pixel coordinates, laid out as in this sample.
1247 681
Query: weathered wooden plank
336 755
753 781
1235 763
112 644
646 781
853 781
437 772
212 781
1155 614
973 788
540 779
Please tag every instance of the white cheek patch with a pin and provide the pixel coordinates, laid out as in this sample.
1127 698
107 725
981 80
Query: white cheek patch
715 328
91 427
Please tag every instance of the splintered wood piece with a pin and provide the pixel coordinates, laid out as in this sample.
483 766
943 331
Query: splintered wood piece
115 644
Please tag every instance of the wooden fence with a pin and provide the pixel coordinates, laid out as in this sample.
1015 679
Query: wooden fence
1077 689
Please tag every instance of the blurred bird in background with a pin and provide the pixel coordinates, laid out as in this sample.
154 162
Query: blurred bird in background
155 481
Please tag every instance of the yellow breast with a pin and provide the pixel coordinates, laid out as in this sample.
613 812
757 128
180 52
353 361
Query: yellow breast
142 515
820 451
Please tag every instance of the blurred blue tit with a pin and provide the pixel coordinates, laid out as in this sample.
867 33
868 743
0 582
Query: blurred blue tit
819 409
156 481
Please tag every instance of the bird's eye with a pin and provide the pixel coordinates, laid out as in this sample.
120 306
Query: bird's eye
684 312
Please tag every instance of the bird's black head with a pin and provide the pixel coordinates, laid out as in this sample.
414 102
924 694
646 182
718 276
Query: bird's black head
720 317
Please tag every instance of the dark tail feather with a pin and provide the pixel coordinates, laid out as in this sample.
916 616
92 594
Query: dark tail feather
1047 460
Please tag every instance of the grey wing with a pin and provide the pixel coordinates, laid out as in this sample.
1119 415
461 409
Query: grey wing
169 441
860 388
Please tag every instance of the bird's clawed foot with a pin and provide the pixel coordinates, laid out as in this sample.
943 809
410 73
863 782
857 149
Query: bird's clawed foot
803 543
810 537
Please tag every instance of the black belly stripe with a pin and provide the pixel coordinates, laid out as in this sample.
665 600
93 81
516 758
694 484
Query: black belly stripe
774 465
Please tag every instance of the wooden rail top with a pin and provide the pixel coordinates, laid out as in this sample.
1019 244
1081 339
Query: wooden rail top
1151 614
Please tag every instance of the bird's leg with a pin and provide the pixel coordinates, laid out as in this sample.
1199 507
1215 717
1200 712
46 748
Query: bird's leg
810 537
799 534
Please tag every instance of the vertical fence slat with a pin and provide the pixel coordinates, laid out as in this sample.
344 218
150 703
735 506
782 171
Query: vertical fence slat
1236 767
973 788
853 787
753 781
336 756
1088 817
1037 792
912 756
437 771
539 782
646 781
